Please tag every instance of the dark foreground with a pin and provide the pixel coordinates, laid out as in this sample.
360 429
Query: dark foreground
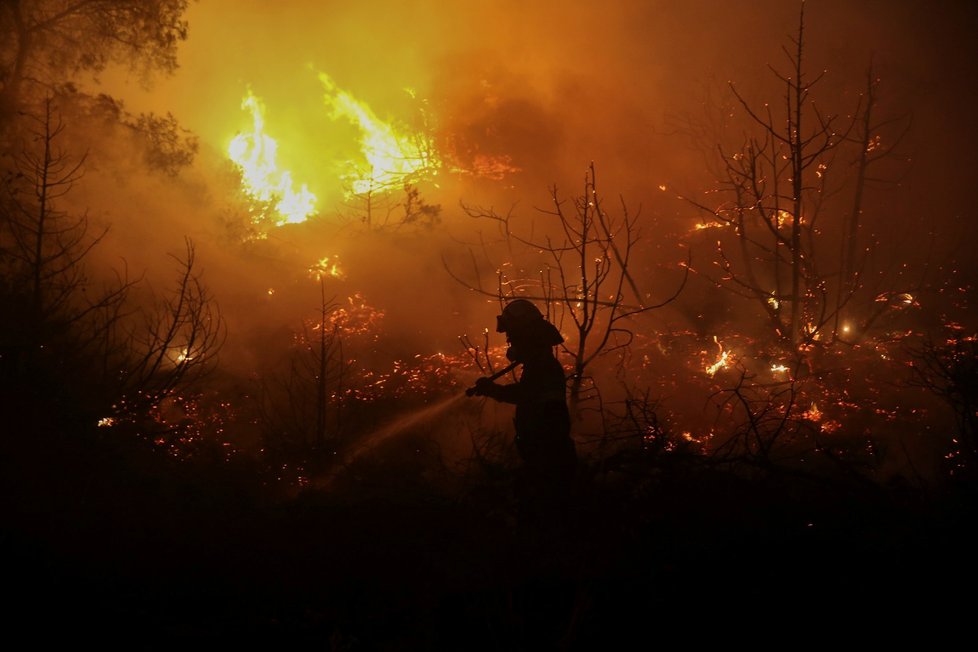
121 546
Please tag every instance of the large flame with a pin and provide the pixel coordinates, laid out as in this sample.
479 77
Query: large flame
255 155
392 157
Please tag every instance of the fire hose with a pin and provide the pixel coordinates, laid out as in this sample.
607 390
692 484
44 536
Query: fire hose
502 372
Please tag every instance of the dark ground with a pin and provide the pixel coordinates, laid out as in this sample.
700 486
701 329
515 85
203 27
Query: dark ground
119 545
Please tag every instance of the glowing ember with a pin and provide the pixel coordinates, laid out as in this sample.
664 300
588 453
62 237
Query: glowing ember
357 317
785 218
393 157
812 413
327 266
721 361
709 225
779 368
812 331
255 156
496 168
106 422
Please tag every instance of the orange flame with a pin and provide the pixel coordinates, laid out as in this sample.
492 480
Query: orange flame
721 361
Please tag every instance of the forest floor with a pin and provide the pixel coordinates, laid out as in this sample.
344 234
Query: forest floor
124 546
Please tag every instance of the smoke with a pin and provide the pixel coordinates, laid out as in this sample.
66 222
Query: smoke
539 90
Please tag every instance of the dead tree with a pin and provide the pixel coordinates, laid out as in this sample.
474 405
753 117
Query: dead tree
174 344
44 246
301 404
56 314
89 344
779 187
586 283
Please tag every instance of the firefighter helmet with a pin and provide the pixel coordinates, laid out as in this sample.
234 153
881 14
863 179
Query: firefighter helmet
517 315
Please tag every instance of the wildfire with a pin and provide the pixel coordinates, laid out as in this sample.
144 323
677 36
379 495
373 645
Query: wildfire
491 167
393 157
812 413
702 226
326 267
358 317
898 300
255 155
784 218
721 361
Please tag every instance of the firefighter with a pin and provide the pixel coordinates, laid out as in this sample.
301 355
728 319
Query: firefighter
542 420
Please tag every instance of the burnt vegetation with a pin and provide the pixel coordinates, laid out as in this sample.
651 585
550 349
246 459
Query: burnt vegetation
772 414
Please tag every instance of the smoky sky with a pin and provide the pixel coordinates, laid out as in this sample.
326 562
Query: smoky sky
555 85
551 86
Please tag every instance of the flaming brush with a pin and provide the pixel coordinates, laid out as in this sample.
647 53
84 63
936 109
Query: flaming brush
471 390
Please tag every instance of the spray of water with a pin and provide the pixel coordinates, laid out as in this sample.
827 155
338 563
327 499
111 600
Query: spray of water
403 423
400 425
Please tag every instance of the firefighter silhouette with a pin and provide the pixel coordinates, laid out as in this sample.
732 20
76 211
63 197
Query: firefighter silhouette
542 420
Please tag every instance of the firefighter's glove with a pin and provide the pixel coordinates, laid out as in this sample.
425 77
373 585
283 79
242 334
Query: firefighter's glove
484 387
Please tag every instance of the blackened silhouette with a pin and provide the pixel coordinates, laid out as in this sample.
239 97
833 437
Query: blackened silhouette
542 420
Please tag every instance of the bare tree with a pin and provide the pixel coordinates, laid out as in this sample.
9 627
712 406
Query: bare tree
379 208
586 275
85 343
175 343
779 185
43 246
301 406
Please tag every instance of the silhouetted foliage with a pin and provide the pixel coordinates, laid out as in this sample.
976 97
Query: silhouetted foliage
88 349
949 370
46 42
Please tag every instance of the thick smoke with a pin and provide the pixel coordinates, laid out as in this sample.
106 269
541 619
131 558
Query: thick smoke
544 87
